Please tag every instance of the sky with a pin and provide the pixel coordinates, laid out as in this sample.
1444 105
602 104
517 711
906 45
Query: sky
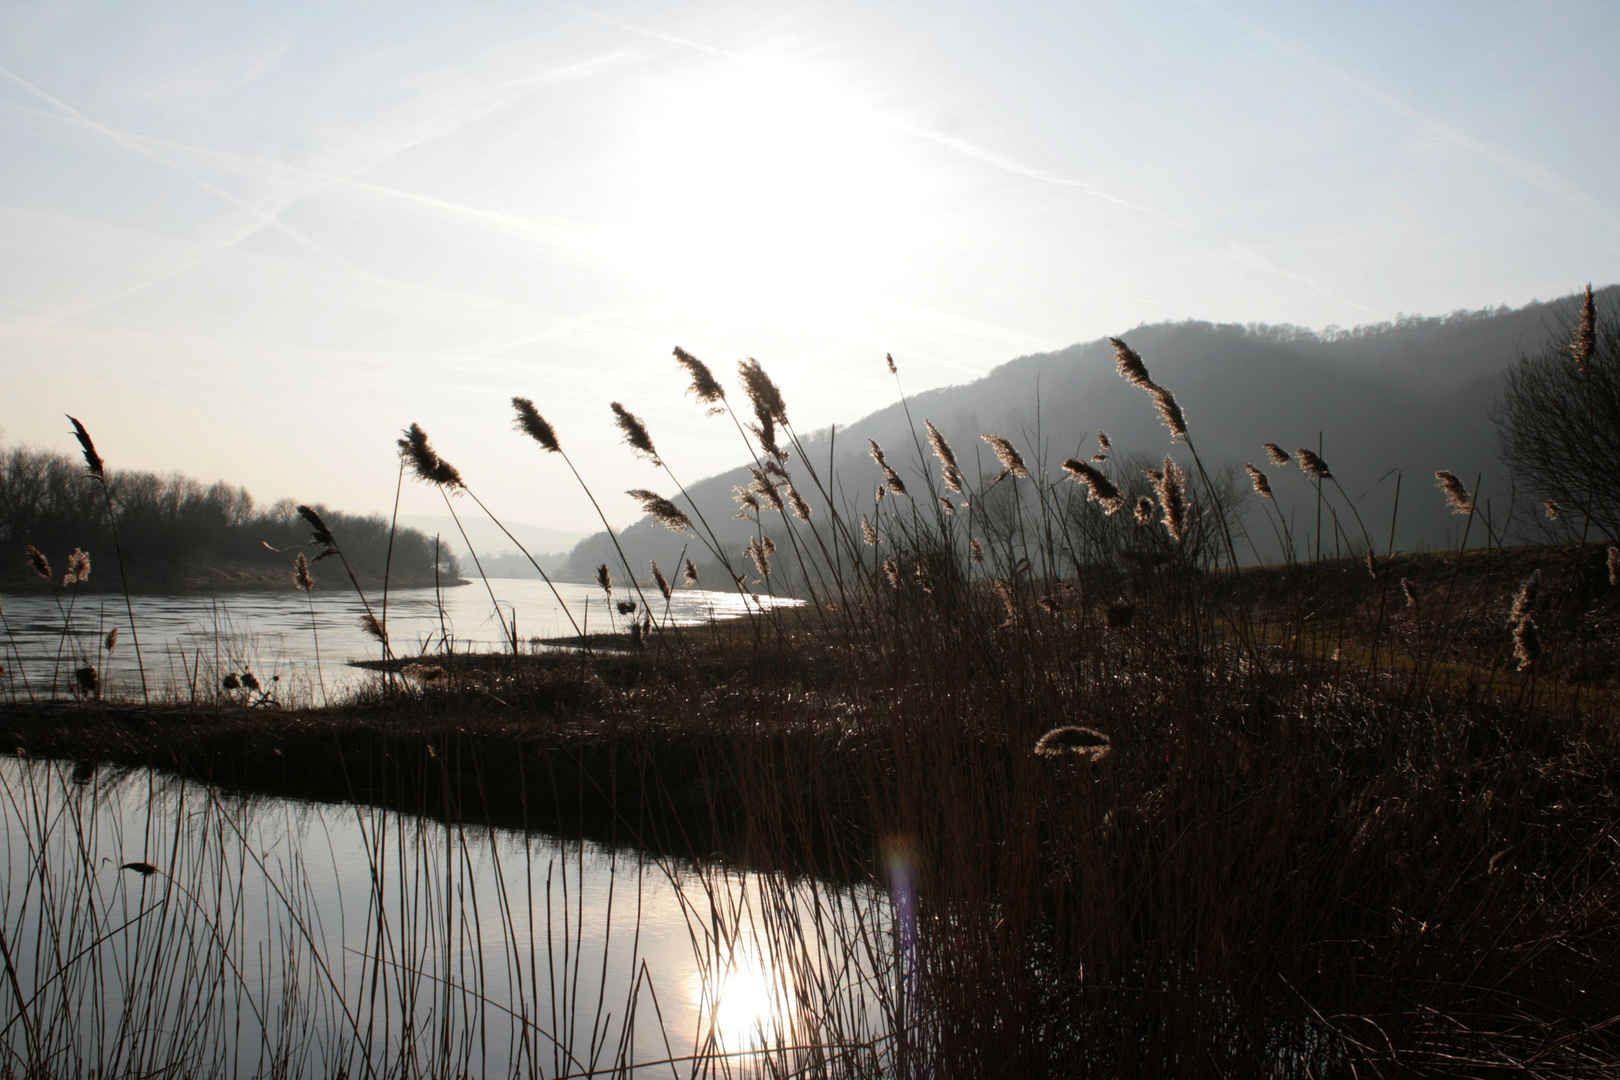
253 242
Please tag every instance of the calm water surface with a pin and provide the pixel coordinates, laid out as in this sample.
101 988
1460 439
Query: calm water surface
192 641
285 938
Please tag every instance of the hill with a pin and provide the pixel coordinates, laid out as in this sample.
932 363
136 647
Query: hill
1394 400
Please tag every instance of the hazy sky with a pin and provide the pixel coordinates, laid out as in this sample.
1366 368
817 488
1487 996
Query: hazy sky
253 241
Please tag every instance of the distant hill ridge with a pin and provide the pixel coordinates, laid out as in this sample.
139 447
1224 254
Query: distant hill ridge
1412 396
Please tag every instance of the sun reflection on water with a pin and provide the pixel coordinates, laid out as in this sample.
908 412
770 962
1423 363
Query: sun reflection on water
745 1004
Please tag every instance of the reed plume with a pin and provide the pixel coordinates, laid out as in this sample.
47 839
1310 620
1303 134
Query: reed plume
890 477
801 509
250 682
1081 741
92 460
1098 486
1409 592
1312 465
111 641
891 570
881 492
532 424
37 560
1172 490
1010 459
1275 454
1130 365
662 510
888 358
301 578
1261 484
372 628
1585 342
626 607
79 565
320 534
746 499
762 393
925 578
760 550
947 457
1103 442
975 550
765 434
1456 495
635 433
604 579
1614 565
705 387
230 682
765 488
691 577
1554 510
1527 644
1169 412
1008 595
947 506
661 581
1372 564
1525 599
1145 509
425 462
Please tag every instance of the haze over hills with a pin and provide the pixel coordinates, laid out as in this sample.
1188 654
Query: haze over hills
1395 399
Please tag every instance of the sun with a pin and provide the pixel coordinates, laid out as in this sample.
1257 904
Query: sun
768 177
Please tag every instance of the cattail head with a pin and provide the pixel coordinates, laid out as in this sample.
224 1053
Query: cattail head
1554 511
88 681
661 581
301 577
1372 564
1083 742
1524 601
1172 489
532 424
1261 484
1614 565
1312 465
1130 365
888 358
425 462
1275 454
111 641
762 393
705 387
691 577
1145 508
947 457
662 510
1169 412
975 550
1098 486
319 534
1010 459
1456 495
604 579
626 607
372 628
1585 342
1527 643
79 565
891 571
635 433
92 460
37 560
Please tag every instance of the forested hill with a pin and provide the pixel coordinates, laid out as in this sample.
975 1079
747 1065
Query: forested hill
1396 399
179 535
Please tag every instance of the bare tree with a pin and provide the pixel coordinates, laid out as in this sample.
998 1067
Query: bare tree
1559 419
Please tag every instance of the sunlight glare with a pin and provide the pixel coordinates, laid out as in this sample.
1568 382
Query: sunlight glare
746 1005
